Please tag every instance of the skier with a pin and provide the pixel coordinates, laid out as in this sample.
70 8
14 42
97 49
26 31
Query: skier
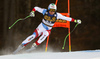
44 28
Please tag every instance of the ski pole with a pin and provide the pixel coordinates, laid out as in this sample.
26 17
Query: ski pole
68 35
17 21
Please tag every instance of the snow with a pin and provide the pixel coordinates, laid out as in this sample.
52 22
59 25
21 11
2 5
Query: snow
89 54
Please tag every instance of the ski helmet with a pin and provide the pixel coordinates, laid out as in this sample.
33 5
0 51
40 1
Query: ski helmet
52 6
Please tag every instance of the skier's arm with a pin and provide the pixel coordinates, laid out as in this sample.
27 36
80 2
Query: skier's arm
59 16
38 9
41 10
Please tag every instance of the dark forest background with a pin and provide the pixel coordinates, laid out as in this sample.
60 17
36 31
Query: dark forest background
85 37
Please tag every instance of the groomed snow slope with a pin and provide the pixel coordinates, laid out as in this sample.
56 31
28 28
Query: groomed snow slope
56 55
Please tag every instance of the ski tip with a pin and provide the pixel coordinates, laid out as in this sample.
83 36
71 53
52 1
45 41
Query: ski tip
62 47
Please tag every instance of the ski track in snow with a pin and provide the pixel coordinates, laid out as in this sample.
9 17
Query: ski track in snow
89 54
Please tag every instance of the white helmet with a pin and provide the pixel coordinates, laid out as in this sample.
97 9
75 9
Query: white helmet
52 6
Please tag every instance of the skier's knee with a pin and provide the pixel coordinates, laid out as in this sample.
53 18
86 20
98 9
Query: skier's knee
45 33
36 34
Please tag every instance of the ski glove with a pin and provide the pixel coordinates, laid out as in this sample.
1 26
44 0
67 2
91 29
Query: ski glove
32 14
78 21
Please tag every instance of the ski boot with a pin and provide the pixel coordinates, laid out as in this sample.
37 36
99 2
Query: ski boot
32 48
20 47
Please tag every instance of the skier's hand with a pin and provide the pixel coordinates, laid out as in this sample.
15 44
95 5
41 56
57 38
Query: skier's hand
78 21
32 14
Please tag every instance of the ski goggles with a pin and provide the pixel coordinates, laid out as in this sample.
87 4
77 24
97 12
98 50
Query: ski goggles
53 10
